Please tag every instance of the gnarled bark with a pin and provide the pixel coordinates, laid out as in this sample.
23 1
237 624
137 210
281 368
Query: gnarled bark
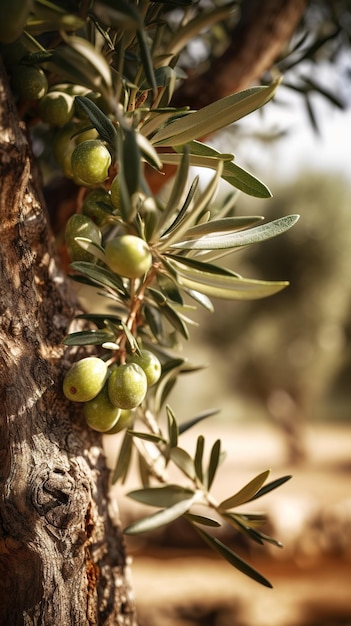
62 557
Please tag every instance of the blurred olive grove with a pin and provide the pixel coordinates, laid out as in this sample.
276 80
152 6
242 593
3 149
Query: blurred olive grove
288 358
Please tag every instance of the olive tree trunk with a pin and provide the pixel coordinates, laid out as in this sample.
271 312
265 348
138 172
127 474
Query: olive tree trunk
62 556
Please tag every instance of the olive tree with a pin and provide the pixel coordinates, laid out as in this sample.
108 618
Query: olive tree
86 96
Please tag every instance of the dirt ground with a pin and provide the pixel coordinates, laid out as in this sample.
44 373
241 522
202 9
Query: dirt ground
179 583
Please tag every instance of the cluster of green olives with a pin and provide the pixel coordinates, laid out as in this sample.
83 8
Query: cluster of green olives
111 393
127 255
79 151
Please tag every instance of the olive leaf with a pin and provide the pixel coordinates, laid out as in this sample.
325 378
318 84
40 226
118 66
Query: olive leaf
202 519
92 247
213 116
221 239
173 430
245 494
270 486
184 426
100 121
183 460
239 522
123 459
232 173
100 275
215 458
147 436
189 218
165 516
232 558
162 496
87 337
223 286
194 26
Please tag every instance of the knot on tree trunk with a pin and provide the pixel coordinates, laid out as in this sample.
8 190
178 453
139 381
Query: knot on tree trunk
60 495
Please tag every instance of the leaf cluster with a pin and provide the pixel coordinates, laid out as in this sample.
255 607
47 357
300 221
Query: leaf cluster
193 501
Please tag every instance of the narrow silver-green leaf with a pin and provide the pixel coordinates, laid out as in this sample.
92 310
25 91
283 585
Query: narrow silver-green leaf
162 497
148 151
123 459
222 286
178 187
224 225
193 27
99 120
214 461
87 338
172 427
217 115
236 239
99 275
147 436
160 518
245 494
195 420
191 216
232 173
270 486
92 55
182 212
91 247
184 461
233 558
202 519
199 452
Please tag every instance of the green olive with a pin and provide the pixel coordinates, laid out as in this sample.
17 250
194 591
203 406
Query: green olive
29 82
93 203
149 362
80 225
128 256
91 161
127 386
124 420
56 108
85 379
100 414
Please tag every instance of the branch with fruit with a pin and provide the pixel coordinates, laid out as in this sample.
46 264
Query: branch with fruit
100 94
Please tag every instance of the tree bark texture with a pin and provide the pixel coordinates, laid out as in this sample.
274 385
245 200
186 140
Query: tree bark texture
62 556
259 36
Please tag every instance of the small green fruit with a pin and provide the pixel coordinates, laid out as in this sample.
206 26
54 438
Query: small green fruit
91 161
124 420
128 256
84 135
127 386
93 206
80 225
100 414
29 82
149 363
85 379
56 108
